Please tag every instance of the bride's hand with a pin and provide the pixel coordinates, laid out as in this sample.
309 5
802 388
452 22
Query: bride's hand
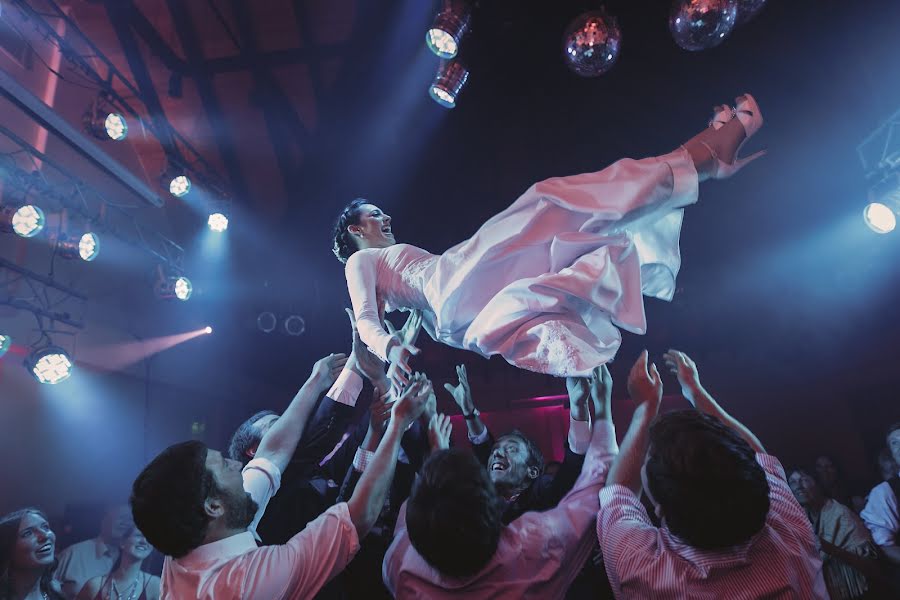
400 371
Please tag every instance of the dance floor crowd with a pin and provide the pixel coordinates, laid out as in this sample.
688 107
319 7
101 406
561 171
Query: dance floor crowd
318 503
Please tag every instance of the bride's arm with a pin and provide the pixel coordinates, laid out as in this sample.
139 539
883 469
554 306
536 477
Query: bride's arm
361 278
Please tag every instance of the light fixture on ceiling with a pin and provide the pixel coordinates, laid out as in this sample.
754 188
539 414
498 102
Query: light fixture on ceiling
448 28
49 364
25 221
448 83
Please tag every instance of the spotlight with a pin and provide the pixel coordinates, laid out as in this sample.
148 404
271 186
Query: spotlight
448 83
207 330
879 218
449 26
217 222
105 124
266 322
50 364
26 221
172 286
179 186
87 247
294 325
5 343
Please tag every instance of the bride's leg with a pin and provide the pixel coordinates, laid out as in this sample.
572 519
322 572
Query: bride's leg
724 142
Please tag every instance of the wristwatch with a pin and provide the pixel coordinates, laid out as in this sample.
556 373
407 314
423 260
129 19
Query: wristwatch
471 416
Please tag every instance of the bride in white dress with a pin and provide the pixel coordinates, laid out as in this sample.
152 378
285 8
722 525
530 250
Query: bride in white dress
548 282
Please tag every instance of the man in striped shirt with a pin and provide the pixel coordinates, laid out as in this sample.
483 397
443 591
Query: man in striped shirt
730 526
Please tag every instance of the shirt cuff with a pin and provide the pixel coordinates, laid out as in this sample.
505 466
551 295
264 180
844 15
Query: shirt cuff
346 387
603 437
579 436
480 438
361 459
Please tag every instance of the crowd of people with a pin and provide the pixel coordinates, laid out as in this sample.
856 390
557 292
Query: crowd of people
315 503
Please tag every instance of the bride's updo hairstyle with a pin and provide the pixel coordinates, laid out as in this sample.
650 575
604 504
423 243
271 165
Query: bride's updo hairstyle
344 245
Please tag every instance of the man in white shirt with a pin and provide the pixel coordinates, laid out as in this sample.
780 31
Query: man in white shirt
881 513
200 508
92 558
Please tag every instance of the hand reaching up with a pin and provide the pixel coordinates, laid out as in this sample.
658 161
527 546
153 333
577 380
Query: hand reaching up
579 392
681 365
368 364
412 401
645 385
399 372
380 412
462 393
439 429
601 393
326 370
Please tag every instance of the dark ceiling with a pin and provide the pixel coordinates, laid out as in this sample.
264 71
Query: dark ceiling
303 105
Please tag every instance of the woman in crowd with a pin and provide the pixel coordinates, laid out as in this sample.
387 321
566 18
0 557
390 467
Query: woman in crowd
848 553
27 557
126 580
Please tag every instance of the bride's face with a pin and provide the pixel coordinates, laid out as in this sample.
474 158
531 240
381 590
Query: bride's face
374 228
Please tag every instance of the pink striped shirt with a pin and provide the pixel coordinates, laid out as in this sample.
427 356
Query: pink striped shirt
781 561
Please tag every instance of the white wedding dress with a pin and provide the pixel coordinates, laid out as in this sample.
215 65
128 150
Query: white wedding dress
548 282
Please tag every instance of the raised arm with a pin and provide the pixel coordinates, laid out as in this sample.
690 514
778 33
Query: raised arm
462 395
279 443
685 369
645 389
371 490
361 280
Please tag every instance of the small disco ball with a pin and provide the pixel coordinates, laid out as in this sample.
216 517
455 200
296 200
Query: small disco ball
591 43
747 9
702 24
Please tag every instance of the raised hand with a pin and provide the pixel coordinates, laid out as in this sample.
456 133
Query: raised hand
439 429
369 365
326 370
399 372
462 393
578 389
411 402
681 365
409 333
645 385
380 412
601 393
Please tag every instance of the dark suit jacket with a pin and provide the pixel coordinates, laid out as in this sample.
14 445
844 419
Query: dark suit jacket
307 490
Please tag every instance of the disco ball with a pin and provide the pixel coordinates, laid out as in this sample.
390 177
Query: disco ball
747 9
702 24
591 43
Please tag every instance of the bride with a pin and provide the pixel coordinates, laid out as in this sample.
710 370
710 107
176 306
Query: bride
548 282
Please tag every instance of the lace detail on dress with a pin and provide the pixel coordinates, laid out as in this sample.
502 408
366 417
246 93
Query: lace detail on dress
412 274
554 352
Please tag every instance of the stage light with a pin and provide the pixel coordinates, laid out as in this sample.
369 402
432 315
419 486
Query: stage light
217 222
50 364
87 247
448 83
25 221
294 325
207 330
880 218
266 322
5 343
449 26
183 288
180 185
116 127
103 123
169 286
